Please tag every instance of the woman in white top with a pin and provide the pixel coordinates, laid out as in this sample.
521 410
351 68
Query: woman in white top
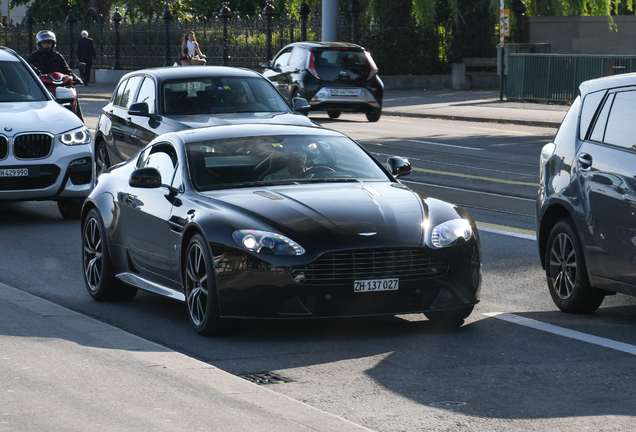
189 48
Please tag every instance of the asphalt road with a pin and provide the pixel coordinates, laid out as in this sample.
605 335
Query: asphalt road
531 368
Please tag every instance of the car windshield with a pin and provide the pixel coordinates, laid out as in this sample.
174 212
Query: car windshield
17 84
219 95
252 161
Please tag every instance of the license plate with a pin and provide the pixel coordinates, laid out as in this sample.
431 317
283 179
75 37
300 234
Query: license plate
376 285
344 92
14 172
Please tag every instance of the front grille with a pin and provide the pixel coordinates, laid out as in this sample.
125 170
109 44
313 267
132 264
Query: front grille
32 146
4 147
343 267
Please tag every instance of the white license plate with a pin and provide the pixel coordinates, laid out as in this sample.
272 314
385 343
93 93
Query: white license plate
376 285
344 92
14 172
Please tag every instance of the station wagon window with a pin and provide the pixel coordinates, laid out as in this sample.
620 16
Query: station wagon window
297 55
119 92
621 129
601 120
147 94
129 92
590 106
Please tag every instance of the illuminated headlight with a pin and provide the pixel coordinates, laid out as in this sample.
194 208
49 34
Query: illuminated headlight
447 233
76 137
255 241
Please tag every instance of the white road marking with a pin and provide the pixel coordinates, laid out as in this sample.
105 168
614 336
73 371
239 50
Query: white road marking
507 233
560 331
446 145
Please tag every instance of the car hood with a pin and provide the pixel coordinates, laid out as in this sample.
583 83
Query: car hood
372 215
37 116
198 121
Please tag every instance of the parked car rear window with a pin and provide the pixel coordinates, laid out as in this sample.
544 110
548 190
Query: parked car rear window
601 120
342 59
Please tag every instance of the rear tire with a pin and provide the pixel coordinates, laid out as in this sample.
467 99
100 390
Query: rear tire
374 115
333 114
70 208
566 271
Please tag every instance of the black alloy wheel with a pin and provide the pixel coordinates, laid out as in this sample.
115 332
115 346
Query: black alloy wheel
70 208
334 114
200 289
99 277
566 271
374 114
102 161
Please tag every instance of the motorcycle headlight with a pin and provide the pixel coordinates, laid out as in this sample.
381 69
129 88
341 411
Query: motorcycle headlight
76 137
256 241
449 232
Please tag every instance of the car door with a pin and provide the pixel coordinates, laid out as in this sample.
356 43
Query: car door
278 74
116 119
143 129
147 214
606 166
124 146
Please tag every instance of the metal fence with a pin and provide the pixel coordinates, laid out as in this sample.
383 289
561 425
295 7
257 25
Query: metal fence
556 77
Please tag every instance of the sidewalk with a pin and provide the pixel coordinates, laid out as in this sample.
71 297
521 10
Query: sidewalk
466 105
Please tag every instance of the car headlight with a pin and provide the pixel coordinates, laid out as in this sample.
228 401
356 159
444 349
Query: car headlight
256 241
76 137
447 233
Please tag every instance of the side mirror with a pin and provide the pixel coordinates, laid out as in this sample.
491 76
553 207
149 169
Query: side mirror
64 95
301 105
147 178
140 109
267 64
398 166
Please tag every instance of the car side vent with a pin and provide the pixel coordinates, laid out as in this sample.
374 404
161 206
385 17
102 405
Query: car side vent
4 147
32 146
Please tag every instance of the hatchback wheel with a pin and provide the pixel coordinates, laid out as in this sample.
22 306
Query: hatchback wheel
99 277
333 114
374 114
566 271
200 287
102 161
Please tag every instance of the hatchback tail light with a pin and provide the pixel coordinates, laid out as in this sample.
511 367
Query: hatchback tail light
374 68
311 65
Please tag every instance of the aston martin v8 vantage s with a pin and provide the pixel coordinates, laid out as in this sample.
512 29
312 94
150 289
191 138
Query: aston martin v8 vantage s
276 221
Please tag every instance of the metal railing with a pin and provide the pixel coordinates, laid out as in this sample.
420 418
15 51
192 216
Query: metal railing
556 77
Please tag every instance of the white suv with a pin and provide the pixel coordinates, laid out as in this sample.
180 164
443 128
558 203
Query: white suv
46 151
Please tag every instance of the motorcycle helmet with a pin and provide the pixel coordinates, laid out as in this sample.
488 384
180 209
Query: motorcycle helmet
44 36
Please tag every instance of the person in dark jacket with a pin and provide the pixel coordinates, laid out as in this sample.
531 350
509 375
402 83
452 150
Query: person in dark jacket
46 60
85 54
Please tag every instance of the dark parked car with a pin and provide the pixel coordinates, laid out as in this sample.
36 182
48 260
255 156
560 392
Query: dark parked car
150 102
220 219
46 151
586 203
332 76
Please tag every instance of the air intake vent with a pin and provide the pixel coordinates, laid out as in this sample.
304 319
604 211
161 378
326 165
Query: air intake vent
342 267
4 147
32 146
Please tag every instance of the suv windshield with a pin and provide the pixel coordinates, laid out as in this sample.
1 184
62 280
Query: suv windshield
218 95
17 84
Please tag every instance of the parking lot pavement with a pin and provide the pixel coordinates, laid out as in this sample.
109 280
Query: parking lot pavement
65 371
467 105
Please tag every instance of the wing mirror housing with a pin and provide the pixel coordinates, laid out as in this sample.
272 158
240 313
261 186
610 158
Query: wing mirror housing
64 95
146 178
139 109
301 105
267 64
399 167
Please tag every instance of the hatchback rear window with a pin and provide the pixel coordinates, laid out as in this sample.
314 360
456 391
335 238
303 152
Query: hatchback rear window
341 59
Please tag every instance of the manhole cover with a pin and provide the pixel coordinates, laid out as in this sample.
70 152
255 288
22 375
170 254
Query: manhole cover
448 404
265 378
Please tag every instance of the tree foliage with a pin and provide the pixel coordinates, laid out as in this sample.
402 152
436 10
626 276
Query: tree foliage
579 7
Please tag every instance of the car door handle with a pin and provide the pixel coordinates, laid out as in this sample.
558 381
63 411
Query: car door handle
585 161
128 120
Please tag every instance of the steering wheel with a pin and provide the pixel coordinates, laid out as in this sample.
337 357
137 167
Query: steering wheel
315 170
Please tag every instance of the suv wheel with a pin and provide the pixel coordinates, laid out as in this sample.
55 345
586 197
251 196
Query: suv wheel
102 161
70 208
374 114
566 271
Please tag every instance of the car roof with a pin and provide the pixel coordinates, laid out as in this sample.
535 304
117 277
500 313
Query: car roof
7 54
249 130
175 72
614 81
310 45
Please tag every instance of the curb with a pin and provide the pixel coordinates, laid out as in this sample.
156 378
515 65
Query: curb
537 123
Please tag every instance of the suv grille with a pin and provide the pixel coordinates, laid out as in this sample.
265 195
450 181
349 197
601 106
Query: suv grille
339 267
4 147
32 146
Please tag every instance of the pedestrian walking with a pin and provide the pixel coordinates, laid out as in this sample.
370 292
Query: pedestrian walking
85 54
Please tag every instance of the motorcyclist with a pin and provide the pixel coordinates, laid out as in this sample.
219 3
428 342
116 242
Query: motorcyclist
46 60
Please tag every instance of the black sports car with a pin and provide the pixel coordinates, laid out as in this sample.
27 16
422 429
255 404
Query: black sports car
272 221
150 102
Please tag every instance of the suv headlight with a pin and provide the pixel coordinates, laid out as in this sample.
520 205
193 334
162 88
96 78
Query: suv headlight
78 136
256 241
449 232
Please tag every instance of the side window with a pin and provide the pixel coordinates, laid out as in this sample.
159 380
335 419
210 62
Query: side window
590 106
567 131
127 96
297 55
621 129
147 94
119 93
160 156
283 59
601 120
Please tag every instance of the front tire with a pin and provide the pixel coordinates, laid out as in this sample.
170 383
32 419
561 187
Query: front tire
70 208
99 277
200 289
566 271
